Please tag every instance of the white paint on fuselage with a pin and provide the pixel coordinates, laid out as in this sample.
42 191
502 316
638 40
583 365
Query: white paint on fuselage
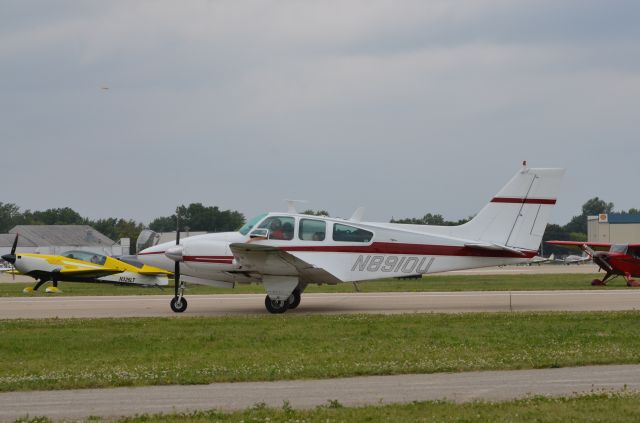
343 265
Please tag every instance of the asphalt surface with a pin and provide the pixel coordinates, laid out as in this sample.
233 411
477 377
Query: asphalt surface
459 387
384 303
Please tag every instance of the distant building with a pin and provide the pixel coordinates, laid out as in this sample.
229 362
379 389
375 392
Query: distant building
614 228
56 239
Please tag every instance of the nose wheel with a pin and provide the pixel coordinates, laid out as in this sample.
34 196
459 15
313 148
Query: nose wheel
179 303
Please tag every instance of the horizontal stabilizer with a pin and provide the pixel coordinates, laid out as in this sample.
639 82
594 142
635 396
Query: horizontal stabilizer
493 247
598 246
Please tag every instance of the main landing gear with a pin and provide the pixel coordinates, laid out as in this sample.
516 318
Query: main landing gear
630 281
280 306
627 276
49 290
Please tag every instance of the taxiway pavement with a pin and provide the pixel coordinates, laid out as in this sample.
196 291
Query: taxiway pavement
459 387
382 303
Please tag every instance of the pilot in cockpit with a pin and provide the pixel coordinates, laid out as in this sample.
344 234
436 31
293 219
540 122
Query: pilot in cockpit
275 229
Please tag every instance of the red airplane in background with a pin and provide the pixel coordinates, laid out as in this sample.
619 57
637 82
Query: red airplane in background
615 259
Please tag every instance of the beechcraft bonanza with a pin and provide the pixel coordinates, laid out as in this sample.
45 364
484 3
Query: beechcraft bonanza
614 259
82 266
288 251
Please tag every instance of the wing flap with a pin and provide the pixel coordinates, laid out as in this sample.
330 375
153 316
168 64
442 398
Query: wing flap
268 260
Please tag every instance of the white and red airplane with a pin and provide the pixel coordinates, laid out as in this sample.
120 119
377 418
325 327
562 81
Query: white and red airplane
288 251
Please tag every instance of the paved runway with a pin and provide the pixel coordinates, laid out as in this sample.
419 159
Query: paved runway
460 387
386 303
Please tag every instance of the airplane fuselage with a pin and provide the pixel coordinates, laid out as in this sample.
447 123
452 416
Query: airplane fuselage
391 251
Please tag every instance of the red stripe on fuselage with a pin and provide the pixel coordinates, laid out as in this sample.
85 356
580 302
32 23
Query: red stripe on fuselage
411 249
209 259
516 200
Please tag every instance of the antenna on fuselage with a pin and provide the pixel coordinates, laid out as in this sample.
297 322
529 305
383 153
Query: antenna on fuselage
291 205
357 215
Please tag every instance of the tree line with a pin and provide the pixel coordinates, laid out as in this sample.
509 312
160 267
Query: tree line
195 217
198 217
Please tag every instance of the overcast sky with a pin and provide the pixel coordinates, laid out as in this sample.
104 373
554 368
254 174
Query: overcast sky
405 107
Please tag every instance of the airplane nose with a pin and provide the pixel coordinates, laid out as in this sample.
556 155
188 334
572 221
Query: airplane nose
174 253
11 258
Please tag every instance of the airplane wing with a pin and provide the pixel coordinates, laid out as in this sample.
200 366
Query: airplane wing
265 259
87 273
156 272
598 246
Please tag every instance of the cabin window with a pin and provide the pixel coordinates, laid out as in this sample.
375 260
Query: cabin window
346 233
635 252
312 230
86 256
280 227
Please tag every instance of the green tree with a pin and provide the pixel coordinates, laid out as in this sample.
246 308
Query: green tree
430 219
592 207
59 216
10 216
316 212
198 217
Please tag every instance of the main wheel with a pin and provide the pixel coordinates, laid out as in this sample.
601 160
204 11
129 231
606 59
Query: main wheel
598 282
294 299
178 304
276 306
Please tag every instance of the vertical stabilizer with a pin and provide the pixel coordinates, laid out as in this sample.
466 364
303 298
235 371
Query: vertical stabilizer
518 215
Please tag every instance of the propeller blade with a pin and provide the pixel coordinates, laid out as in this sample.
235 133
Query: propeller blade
11 258
15 245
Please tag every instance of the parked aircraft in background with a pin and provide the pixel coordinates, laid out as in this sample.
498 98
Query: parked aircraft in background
83 266
540 260
615 260
288 251
575 259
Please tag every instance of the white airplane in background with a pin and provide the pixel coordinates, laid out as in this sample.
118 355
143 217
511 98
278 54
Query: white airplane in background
540 260
288 251
575 259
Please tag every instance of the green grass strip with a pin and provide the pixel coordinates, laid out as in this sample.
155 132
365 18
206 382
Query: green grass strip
83 353
427 284
597 407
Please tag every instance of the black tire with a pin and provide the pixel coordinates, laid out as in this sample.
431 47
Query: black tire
294 299
276 306
178 307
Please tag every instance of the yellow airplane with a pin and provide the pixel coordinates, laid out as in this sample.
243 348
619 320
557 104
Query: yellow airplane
83 266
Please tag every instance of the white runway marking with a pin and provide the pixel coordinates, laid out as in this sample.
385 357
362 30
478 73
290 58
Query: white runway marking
386 303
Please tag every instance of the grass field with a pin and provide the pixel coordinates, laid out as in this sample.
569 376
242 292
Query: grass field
426 284
597 407
82 353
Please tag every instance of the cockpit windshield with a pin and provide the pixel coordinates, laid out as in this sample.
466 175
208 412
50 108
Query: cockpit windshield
86 256
619 248
251 223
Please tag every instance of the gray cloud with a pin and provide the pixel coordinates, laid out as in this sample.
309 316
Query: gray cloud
405 107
